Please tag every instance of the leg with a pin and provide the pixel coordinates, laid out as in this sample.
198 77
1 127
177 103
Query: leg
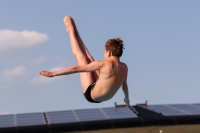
86 77
85 50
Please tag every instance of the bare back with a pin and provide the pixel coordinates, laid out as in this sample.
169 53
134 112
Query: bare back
111 78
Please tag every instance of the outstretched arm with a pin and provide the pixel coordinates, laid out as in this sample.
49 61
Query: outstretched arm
96 65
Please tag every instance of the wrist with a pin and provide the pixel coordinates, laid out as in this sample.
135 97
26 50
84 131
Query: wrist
53 74
127 98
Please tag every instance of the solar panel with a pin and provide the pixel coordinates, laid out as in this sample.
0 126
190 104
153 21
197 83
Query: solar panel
30 119
90 114
187 108
167 110
7 121
61 117
197 105
119 113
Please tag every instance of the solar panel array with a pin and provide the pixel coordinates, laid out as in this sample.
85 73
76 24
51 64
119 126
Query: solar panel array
82 115
176 109
89 115
68 116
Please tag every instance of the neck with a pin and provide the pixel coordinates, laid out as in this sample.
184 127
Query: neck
113 58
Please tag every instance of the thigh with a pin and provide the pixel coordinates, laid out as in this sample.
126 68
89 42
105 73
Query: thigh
85 77
95 74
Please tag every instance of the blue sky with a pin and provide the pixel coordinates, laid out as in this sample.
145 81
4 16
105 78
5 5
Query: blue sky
162 51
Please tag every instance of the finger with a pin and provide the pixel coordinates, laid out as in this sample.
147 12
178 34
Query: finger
43 73
40 72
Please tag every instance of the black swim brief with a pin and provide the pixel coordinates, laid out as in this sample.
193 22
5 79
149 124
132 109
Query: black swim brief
87 94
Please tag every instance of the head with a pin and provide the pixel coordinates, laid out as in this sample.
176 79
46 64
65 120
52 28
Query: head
114 47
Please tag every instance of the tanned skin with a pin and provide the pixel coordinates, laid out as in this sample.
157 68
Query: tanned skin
110 74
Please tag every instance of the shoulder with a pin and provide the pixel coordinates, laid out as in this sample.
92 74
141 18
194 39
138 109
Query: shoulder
103 62
124 65
100 62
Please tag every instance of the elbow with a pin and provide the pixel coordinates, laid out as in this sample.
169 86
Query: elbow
75 69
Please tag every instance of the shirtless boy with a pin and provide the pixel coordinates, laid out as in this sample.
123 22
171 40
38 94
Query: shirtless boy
100 79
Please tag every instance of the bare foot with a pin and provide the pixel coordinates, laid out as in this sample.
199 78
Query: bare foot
68 24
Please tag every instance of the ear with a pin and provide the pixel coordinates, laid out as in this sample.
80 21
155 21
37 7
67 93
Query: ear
109 53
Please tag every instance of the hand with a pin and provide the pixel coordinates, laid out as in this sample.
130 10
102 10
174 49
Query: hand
46 74
127 102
